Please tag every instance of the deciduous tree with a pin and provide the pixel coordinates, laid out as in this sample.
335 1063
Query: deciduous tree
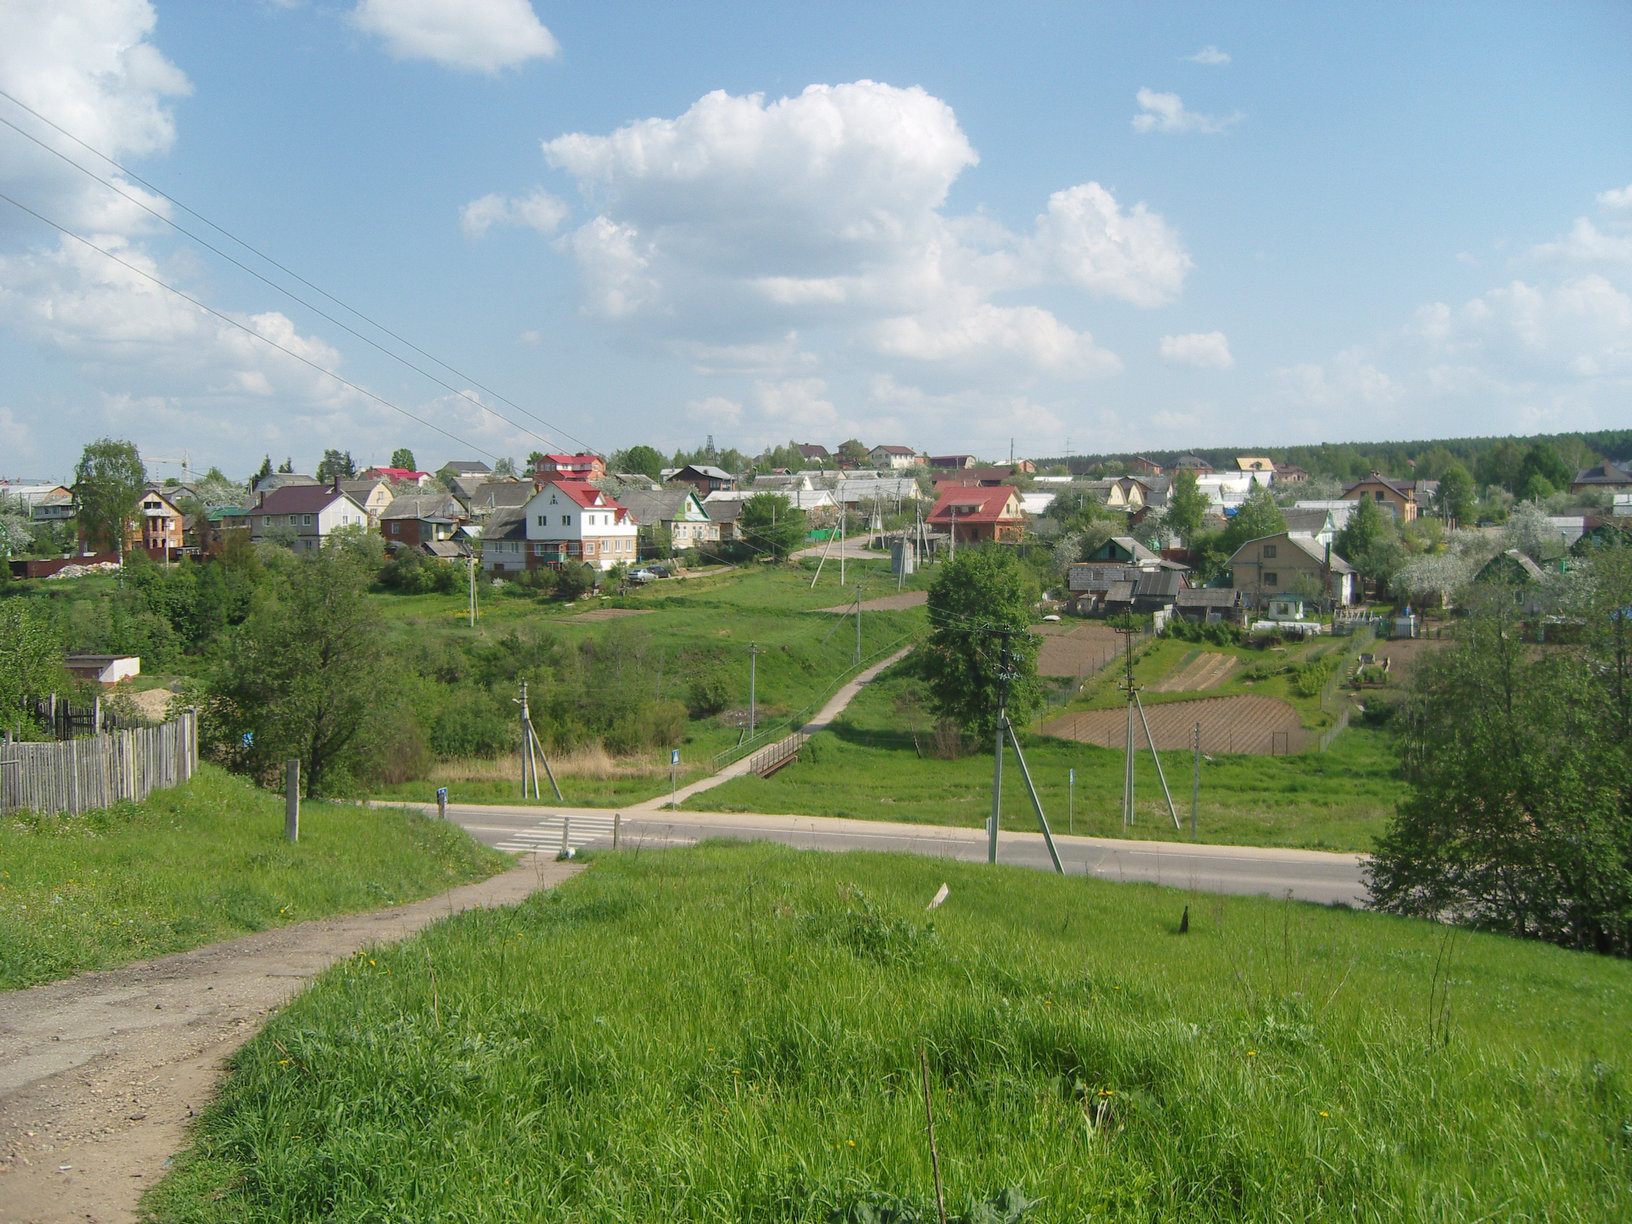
402 457
108 483
305 676
30 661
1187 507
771 526
972 600
643 459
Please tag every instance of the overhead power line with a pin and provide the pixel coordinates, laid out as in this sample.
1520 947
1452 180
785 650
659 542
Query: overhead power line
134 177
247 330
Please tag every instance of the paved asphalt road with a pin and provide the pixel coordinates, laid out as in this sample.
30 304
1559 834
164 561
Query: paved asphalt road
1306 875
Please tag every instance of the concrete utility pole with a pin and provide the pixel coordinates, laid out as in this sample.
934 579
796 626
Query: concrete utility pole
1004 727
1195 785
753 653
1131 687
473 590
530 741
291 800
858 624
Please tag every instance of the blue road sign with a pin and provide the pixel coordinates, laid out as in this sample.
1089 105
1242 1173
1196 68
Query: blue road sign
674 757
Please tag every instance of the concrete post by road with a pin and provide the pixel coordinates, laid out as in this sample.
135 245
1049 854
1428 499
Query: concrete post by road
291 801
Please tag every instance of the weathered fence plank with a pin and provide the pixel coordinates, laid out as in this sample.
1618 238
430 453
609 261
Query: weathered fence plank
84 774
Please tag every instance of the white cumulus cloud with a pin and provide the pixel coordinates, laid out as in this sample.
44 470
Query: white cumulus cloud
478 35
1198 350
88 67
1165 112
746 221
1618 197
539 211
1209 55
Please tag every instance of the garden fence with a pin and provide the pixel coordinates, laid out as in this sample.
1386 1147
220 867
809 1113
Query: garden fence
81 775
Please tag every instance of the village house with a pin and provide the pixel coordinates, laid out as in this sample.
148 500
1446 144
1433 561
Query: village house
1281 564
570 520
810 452
372 495
303 516
568 467
973 514
415 519
1318 524
1397 496
1111 590
1139 465
1612 477
157 526
1191 463
494 495
894 458
951 462
703 477
679 511
397 475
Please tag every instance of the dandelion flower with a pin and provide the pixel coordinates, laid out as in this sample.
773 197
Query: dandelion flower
1324 1114
851 1142
1252 1053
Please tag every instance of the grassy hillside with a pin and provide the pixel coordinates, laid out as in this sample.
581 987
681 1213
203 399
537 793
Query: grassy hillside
869 766
202 862
734 1033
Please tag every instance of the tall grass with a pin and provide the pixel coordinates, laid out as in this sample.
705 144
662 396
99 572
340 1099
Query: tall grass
733 1033
201 862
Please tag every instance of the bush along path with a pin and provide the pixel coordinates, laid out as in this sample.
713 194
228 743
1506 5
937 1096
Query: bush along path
99 1074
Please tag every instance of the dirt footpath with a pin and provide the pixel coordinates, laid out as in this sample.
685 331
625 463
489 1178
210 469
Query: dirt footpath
100 1073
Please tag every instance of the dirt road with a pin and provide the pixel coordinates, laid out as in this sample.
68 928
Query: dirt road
100 1073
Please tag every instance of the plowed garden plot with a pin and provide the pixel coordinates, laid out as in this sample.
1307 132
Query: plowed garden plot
1207 670
1251 724
600 614
885 603
1076 650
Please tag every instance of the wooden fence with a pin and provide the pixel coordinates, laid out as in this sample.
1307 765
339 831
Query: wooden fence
85 774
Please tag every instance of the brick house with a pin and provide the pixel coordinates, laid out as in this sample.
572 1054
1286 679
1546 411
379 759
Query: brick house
157 526
420 518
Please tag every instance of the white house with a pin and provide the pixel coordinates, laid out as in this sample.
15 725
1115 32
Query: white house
303 516
570 520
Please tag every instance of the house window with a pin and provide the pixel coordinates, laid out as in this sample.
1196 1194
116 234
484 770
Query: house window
1271 578
566 520
1269 552
305 520
1377 496
294 520
543 520
538 550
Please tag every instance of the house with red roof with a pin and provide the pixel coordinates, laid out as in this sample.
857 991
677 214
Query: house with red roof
565 520
569 467
971 513
397 475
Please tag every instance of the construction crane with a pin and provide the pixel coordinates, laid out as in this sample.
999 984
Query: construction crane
185 463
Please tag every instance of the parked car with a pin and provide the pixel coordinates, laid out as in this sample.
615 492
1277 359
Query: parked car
642 575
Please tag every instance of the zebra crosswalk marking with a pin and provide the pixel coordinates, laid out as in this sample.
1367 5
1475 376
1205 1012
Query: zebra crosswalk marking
545 836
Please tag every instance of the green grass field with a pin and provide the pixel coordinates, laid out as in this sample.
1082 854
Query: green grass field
668 631
867 766
202 862
734 1033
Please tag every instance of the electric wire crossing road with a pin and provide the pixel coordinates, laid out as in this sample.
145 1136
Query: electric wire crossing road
549 834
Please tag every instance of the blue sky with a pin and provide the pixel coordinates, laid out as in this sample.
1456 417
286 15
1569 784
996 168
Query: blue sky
1131 226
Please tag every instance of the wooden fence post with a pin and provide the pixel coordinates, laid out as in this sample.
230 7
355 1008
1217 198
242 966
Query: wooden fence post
291 801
